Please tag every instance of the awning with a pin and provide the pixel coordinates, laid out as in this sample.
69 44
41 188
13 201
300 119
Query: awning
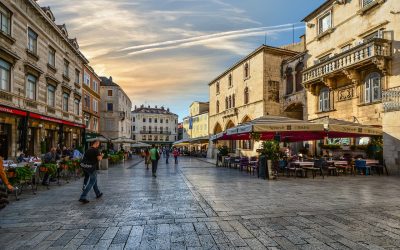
342 129
123 140
203 139
98 138
268 127
181 142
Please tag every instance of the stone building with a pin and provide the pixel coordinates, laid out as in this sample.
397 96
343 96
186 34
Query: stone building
40 81
352 61
91 101
247 90
195 126
115 112
154 125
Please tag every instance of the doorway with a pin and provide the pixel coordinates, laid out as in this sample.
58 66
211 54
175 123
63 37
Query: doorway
4 140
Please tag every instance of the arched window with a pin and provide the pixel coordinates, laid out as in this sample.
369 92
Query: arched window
299 76
233 101
217 107
230 80
226 103
289 81
217 87
246 95
246 70
230 102
324 100
372 88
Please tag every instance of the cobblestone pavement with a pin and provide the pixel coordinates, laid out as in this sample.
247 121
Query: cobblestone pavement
197 206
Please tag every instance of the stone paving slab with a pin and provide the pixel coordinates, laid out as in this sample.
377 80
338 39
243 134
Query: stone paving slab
194 205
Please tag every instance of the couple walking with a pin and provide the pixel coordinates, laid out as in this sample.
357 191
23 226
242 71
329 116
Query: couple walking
154 155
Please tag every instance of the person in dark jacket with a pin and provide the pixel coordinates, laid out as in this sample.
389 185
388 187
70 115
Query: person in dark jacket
92 158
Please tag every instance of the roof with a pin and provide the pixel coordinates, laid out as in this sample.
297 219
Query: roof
255 52
317 10
148 110
107 81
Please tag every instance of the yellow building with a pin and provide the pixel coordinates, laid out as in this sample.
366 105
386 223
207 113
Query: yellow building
247 90
352 62
195 126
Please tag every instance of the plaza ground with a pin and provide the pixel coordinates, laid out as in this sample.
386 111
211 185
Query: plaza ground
194 205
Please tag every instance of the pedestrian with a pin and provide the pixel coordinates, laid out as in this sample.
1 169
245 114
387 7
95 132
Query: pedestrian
176 154
89 165
166 155
154 156
50 157
147 158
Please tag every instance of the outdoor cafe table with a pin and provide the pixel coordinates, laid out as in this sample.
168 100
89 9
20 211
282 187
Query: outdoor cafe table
304 166
341 164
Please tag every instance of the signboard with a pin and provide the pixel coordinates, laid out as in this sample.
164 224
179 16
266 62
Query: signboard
12 111
55 120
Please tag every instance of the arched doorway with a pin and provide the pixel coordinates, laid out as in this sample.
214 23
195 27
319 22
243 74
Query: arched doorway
217 129
295 110
232 143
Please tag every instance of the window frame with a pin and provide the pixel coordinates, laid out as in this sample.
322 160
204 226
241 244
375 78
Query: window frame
7 79
4 13
95 106
320 19
110 104
51 103
66 68
32 41
369 92
109 91
76 108
51 57
86 78
29 88
65 102
77 76
324 100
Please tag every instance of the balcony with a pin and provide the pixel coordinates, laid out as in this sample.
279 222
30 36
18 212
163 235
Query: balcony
155 132
391 99
375 51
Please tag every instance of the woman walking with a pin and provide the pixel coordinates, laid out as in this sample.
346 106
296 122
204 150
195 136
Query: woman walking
176 154
147 158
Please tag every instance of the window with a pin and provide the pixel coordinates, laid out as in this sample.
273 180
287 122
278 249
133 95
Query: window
230 80
95 123
246 70
77 76
5 75
52 57
161 120
150 120
32 41
289 81
372 86
345 48
143 137
87 121
155 120
66 68
230 101
110 92
144 128
51 96
86 100
366 3
246 95
76 106
166 120
155 128
376 34
133 119
217 87
226 103
95 86
110 106
65 102
86 78
144 119
133 128
325 22
95 105
161 129
299 76
149 128
324 100
324 58
233 101
217 107
31 87
5 20
247 145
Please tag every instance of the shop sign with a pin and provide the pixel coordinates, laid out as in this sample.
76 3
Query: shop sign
50 119
12 111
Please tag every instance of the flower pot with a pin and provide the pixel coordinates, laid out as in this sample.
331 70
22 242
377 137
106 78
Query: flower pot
43 169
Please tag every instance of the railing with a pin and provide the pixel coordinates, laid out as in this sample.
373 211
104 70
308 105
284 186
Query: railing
155 132
391 99
374 47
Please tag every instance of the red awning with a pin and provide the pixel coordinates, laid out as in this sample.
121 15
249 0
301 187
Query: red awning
12 111
55 120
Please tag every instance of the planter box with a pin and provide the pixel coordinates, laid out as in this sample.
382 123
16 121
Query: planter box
104 164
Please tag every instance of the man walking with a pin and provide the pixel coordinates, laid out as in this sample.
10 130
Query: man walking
166 155
176 154
154 156
89 164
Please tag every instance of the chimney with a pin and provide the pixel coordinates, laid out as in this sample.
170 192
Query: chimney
110 78
168 109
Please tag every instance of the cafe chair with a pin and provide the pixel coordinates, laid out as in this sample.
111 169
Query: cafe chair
361 166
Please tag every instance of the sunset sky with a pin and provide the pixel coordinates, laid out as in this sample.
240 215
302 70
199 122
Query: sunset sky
165 52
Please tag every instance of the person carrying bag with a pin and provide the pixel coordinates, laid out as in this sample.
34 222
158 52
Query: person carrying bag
89 166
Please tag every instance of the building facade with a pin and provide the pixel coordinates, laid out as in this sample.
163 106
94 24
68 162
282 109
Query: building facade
115 112
40 81
352 61
154 125
248 90
90 101
196 124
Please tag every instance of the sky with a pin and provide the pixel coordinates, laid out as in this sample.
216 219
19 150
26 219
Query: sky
165 52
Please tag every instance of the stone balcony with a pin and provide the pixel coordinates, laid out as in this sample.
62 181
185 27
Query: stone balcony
375 51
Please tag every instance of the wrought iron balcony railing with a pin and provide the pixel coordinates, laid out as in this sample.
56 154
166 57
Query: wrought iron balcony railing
367 51
391 99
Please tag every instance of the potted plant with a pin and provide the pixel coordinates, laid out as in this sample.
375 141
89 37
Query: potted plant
269 153
222 151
